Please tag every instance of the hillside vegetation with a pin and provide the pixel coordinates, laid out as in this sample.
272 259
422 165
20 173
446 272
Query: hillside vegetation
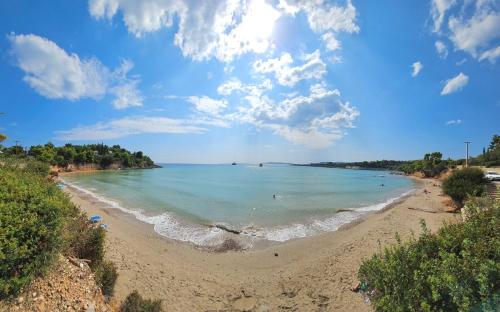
100 155
430 166
38 224
456 269
490 156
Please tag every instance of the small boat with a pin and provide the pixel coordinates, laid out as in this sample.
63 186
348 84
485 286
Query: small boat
260 165
234 164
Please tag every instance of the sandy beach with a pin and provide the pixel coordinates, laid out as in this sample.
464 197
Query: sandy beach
309 274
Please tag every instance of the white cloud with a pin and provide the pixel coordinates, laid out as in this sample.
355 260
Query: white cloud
208 105
234 84
127 126
491 54
455 84
127 95
56 74
441 49
287 75
322 16
417 67
309 137
475 33
222 29
344 118
325 18
331 41
438 11
472 26
454 122
315 120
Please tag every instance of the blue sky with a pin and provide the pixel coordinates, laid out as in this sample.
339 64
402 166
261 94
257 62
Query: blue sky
253 81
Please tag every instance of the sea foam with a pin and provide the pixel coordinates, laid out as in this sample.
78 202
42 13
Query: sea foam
172 227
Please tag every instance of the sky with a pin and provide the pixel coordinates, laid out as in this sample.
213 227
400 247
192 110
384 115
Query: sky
253 80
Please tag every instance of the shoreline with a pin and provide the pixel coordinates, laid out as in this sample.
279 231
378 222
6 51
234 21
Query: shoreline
216 235
311 273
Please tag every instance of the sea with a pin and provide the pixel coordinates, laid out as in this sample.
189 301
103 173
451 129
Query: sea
273 203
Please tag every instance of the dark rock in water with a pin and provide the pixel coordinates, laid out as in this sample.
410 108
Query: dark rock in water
225 228
234 164
343 210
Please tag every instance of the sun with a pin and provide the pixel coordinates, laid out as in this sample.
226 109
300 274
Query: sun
258 23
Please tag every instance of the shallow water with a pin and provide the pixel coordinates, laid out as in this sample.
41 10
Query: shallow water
184 201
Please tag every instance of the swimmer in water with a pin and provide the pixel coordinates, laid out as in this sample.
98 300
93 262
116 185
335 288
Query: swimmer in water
274 196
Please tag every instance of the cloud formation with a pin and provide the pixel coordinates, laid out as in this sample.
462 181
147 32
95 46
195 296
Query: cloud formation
56 74
417 67
208 105
438 11
455 84
225 29
441 49
454 122
222 29
288 75
119 128
472 27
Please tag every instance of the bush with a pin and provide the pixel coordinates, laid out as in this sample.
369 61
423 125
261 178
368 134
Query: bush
32 212
135 303
86 241
106 276
456 269
463 183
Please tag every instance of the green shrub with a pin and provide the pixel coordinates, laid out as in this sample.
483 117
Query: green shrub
32 212
463 183
106 276
87 241
135 303
456 269
37 167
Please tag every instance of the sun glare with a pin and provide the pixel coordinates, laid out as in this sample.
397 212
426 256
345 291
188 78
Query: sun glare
257 25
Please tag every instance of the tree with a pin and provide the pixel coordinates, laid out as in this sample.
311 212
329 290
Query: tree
495 142
463 183
3 137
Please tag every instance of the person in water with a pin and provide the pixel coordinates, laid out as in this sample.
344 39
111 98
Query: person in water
274 196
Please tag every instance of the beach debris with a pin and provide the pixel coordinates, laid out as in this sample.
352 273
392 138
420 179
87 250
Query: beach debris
95 218
104 226
61 186
275 254
78 262
356 287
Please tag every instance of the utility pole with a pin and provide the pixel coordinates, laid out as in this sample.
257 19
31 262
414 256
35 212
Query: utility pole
467 153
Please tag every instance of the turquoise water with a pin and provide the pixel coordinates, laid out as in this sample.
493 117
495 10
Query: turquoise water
185 201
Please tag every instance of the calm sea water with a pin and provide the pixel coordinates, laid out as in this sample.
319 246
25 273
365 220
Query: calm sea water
185 201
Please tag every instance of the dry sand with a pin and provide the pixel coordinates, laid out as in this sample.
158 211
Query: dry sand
310 274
